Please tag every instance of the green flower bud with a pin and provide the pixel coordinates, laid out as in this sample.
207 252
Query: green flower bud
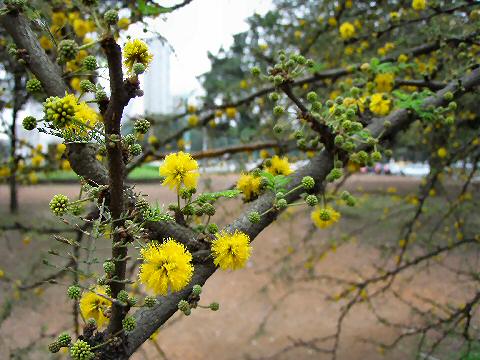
311 200
184 307
308 182
298 134
448 96
278 110
196 290
54 347
214 306
312 96
100 95
316 106
278 129
339 140
274 96
129 139
74 292
188 210
87 86
29 123
59 204
141 205
452 106
300 59
138 68
132 301
376 156
199 211
122 296
90 63
208 209
81 350
67 50
64 339
129 323
355 91
254 217
141 126
109 267
255 71
282 204
278 79
135 149
111 17
34 86
334 174
348 146
212 228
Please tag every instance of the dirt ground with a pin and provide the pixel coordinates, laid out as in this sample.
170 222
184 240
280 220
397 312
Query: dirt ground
261 311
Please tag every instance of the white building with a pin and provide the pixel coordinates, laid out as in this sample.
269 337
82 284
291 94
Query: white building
156 85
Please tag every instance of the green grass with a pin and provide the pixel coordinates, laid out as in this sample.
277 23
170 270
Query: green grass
146 172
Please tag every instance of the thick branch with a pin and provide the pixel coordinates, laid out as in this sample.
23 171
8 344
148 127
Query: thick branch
37 60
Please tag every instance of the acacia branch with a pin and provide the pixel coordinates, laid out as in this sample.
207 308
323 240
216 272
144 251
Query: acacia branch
149 320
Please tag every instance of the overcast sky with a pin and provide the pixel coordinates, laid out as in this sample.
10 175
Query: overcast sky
202 26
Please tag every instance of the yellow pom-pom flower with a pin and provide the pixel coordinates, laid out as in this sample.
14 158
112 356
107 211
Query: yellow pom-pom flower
379 105
384 82
279 166
419 4
136 51
231 251
347 30
324 217
249 185
193 120
442 153
123 23
231 112
94 306
179 169
166 267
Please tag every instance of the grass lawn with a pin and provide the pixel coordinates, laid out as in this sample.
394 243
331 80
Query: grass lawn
145 172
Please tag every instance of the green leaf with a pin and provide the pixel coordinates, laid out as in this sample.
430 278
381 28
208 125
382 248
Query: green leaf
281 181
213 196
151 10
317 67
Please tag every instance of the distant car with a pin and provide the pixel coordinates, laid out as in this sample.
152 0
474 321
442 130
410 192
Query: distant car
416 170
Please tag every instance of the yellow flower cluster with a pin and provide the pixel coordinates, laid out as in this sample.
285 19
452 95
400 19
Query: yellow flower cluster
442 153
231 112
166 267
94 306
279 166
136 52
419 4
249 185
66 112
384 82
179 169
347 30
231 251
379 104
325 217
